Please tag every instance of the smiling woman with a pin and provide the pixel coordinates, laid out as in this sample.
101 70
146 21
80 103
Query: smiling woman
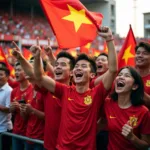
128 120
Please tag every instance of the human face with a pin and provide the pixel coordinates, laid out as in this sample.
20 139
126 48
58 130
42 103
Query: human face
3 78
102 64
124 82
142 57
62 70
82 72
19 73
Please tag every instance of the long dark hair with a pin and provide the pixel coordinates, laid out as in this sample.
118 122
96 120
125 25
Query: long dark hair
136 95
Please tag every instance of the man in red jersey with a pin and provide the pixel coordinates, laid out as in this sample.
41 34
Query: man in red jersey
62 71
22 92
102 67
142 59
80 105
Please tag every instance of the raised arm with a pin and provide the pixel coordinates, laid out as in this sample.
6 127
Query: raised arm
109 76
27 67
49 53
44 80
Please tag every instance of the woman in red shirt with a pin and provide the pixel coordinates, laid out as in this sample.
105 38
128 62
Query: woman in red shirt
128 119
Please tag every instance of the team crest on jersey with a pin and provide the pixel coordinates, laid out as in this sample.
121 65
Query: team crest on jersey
87 100
133 121
148 83
28 101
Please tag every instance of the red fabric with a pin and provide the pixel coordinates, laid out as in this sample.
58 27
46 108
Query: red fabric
117 118
65 30
20 124
35 127
3 59
129 44
79 117
13 84
52 121
146 81
27 54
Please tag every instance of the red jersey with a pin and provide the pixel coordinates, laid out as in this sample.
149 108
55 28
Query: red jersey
35 127
117 118
79 116
52 121
20 124
13 84
146 81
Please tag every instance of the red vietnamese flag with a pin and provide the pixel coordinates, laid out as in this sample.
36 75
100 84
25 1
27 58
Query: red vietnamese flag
72 51
3 59
57 52
27 54
127 53
85 48
105 50
72 23
94 52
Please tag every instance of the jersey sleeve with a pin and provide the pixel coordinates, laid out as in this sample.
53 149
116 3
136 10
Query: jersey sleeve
101 92
60 90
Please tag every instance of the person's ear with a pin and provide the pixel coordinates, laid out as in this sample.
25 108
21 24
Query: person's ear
135 86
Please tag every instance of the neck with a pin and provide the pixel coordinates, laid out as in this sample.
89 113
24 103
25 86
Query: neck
66 82
24 85
143 71
100 73
82 88
3 84
124 100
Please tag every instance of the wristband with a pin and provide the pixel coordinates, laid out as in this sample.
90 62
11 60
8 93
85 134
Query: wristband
110 40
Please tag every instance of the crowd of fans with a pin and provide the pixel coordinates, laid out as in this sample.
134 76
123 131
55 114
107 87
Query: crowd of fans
71 103
67 101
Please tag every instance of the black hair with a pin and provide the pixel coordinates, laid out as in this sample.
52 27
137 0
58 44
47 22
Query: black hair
90 60
69 56
44 62
145 45
17 64
4 68
136 95
103 54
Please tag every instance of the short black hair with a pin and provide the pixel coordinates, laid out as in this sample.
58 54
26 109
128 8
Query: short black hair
136 95
44 62
17 64
4 68
103 54
89 59
145 45
67 55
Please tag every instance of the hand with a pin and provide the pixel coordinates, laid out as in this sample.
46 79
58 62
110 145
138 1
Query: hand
127 131
16 52
26 108
36 49
106 33
48 49
14 106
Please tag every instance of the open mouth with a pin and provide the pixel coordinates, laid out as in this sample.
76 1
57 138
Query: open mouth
99 67
78 75
17 77
58 73
120 84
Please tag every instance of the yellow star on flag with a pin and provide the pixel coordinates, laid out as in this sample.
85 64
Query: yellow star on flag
127 54
77 17
88 45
